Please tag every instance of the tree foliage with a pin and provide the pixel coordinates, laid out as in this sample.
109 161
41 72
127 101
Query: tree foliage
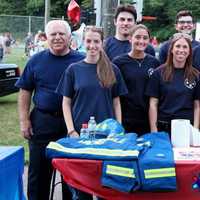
10 7
35 7
164 10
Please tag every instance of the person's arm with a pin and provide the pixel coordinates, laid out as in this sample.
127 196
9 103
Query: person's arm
153 113
68 117
195 59
150 50
196 114
24 102
163 52
117 109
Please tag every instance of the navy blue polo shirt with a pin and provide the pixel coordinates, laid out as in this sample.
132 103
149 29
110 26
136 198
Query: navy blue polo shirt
114 47
163 52
42 74
89 98
136 74
176 97
196 57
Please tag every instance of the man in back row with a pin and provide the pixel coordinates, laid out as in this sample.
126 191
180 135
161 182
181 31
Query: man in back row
184 24
124 20
196 57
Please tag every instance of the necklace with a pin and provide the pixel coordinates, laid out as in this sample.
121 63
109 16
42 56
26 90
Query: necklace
139 61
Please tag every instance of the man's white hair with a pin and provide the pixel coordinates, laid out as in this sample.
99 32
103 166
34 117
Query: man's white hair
58 21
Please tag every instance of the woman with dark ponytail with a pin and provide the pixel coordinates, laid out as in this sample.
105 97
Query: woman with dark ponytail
92 86
136 68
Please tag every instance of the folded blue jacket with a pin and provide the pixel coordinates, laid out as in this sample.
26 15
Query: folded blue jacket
115 148
153 171
156 163
122 176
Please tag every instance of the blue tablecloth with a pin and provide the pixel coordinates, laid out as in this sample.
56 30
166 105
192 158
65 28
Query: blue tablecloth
11 171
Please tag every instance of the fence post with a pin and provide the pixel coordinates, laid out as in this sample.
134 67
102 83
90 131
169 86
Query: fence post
29 24
47 12
107 18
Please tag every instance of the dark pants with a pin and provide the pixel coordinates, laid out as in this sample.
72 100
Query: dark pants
1 53
136 126
83 196
46 128
39 172
164 126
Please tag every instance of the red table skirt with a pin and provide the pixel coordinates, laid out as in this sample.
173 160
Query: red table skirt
86 176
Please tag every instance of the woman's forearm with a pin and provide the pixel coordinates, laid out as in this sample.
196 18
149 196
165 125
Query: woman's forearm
153 114
117 109
196 113
67 113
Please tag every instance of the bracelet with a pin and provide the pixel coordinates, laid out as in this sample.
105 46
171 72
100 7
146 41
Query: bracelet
70 132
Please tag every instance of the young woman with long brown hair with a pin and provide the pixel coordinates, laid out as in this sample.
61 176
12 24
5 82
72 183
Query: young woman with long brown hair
174 88
92 86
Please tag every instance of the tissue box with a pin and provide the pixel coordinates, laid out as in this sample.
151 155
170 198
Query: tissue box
194 136
180 133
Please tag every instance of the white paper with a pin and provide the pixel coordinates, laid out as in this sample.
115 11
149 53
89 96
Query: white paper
186 154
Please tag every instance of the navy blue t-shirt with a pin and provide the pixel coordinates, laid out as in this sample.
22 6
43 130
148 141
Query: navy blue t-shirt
196 57
42 74
136 74
89 98
114 47
163 52
176 97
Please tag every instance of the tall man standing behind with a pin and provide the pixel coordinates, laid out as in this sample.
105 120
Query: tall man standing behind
184 24
124 20
45 122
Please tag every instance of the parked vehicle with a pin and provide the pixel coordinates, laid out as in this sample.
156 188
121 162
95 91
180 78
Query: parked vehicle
9 74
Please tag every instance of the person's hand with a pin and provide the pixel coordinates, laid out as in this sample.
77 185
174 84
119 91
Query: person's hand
154 130
74 134
26 129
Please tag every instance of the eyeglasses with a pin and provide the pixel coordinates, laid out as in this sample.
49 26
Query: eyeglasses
185 22
177 36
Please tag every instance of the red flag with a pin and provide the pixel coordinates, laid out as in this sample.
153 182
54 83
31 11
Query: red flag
74 12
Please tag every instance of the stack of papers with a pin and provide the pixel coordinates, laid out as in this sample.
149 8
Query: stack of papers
190 154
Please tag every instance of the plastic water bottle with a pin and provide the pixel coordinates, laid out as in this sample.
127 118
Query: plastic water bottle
84 132
91 127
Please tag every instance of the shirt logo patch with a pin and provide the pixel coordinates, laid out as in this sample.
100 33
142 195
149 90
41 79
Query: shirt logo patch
150 71
189 84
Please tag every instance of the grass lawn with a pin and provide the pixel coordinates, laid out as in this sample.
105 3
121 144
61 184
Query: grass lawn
9 124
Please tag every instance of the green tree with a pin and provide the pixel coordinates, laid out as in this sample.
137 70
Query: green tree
10 7
164 10
35 7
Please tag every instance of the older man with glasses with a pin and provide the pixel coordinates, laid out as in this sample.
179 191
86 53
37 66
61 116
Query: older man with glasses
184 24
